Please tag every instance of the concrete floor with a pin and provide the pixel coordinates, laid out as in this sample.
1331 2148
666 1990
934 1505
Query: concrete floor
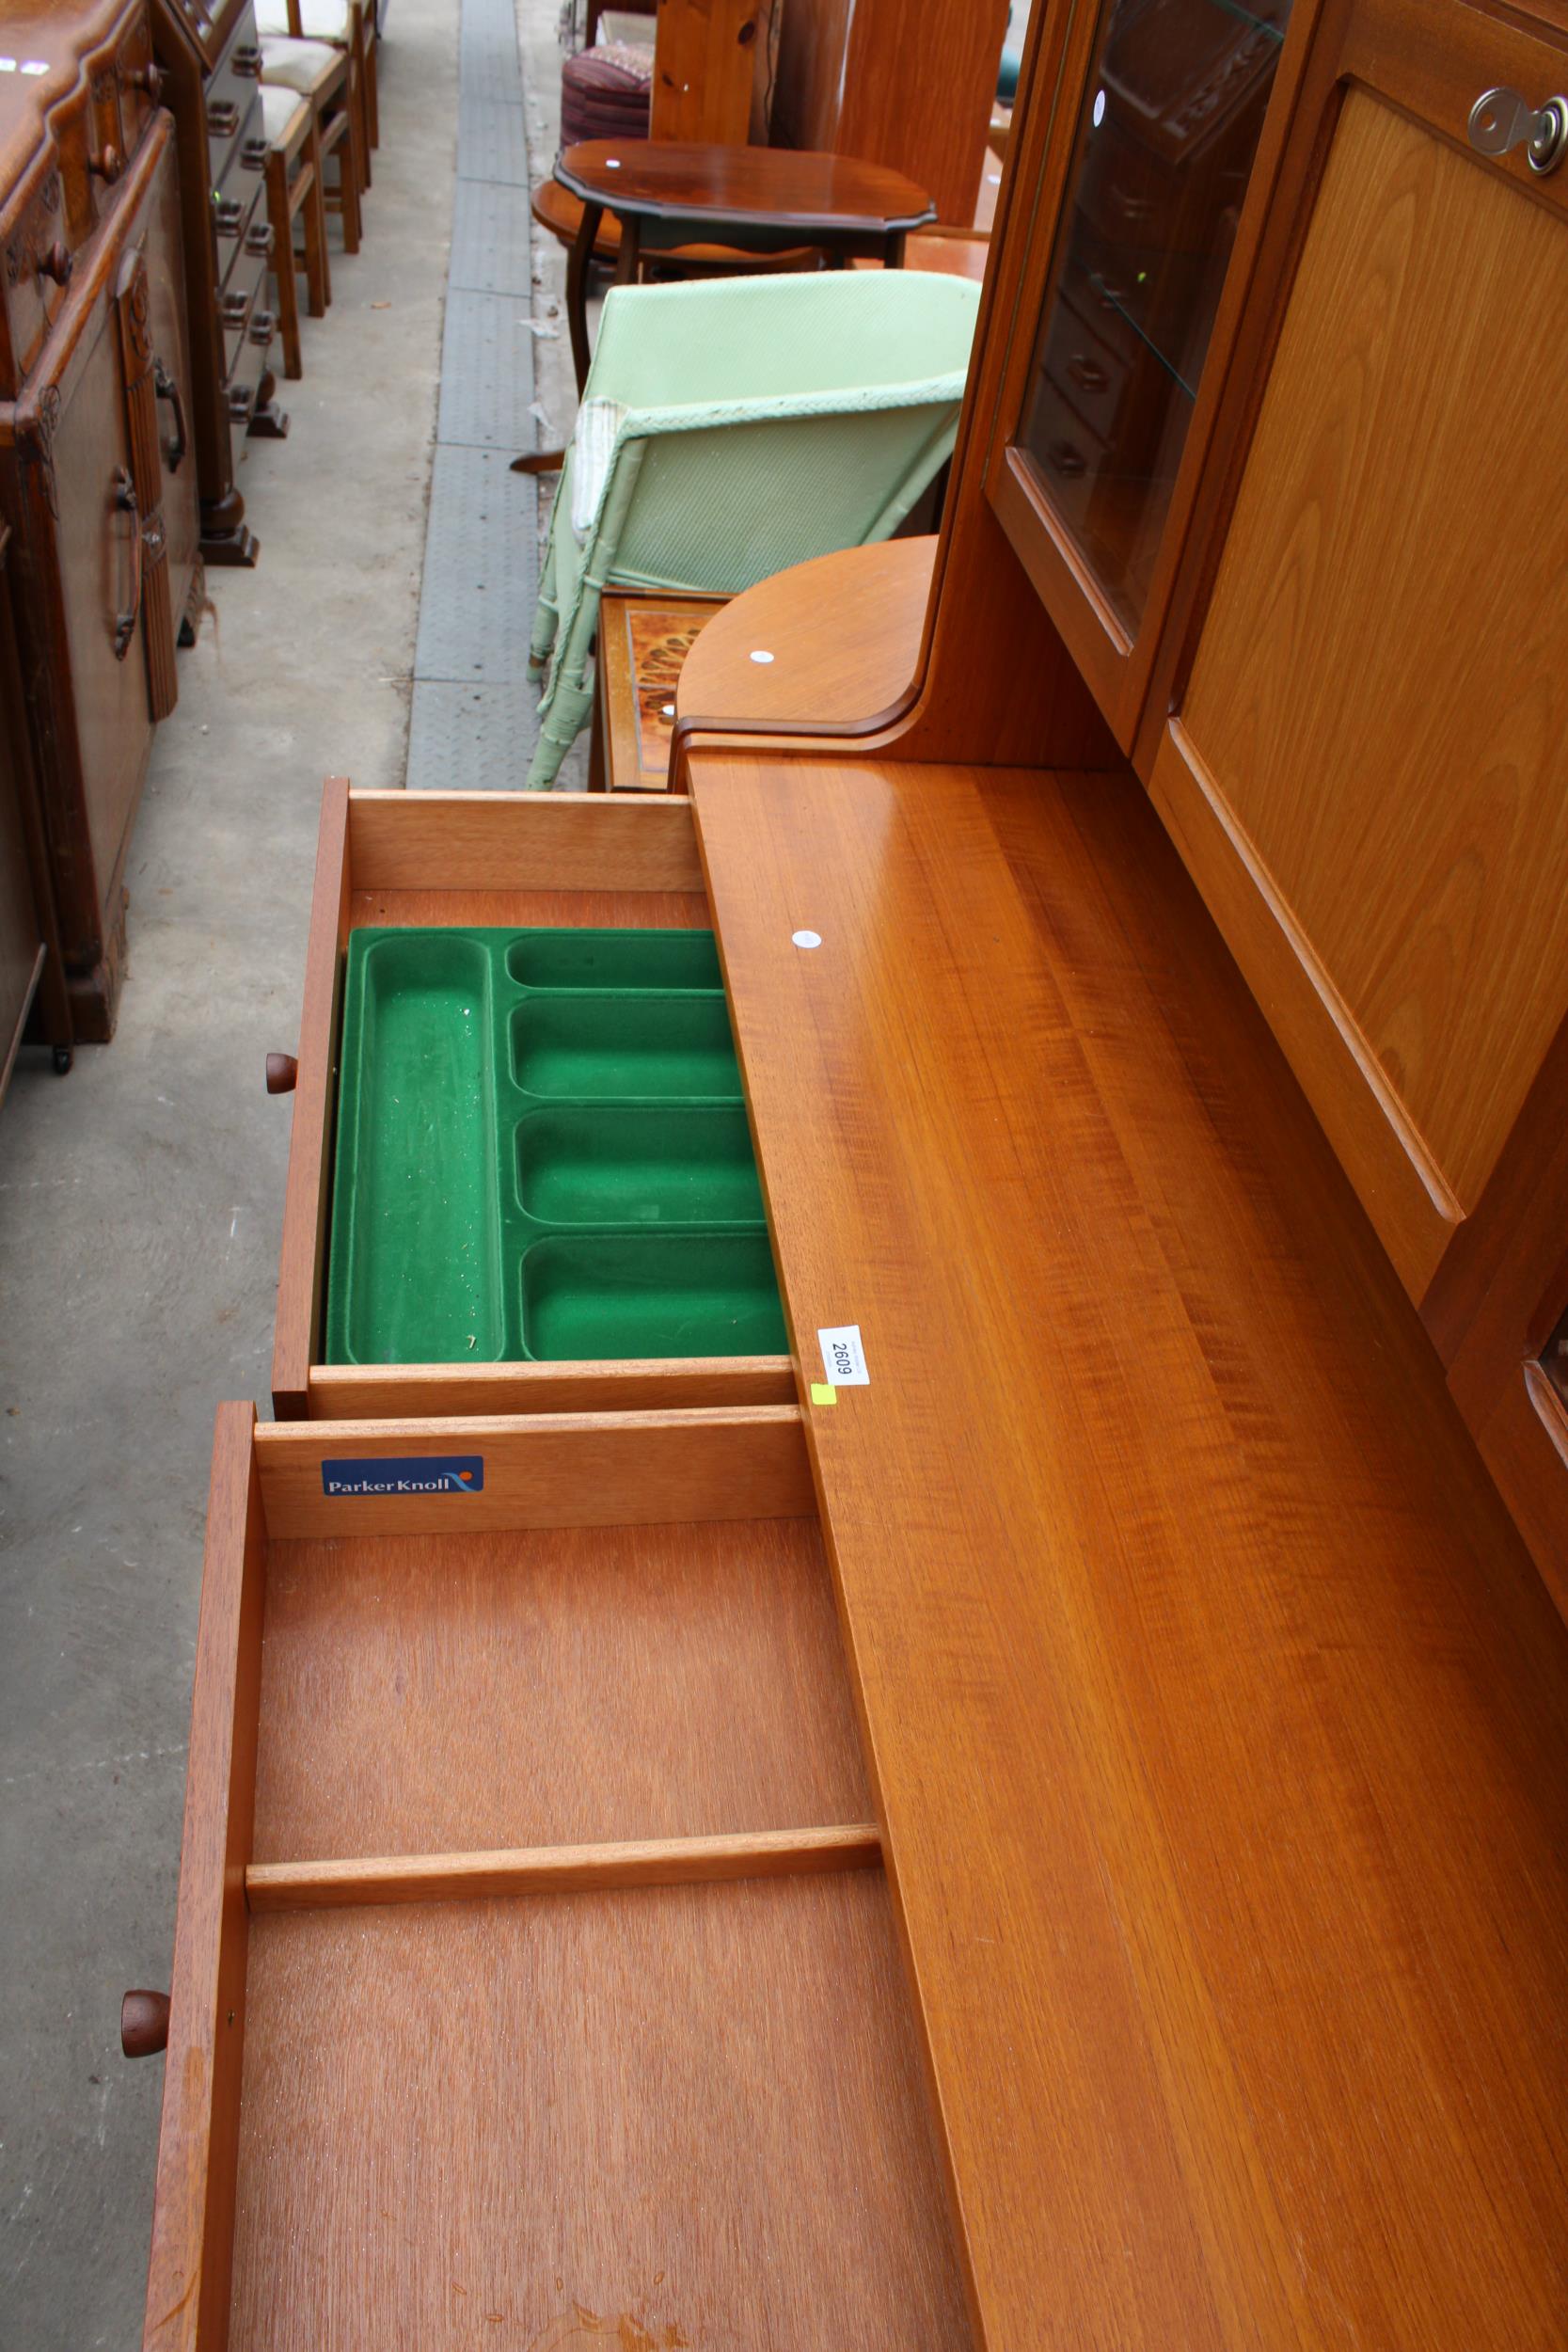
140 1202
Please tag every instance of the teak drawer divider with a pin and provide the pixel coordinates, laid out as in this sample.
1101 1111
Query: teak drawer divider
562 1870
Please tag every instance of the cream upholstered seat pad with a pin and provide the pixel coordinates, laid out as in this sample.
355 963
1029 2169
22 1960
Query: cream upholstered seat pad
299 65
282 112
320 20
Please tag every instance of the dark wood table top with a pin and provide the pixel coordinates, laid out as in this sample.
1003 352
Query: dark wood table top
672 180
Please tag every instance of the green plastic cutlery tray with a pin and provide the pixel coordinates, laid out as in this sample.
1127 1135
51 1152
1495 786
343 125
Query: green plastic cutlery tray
541 1154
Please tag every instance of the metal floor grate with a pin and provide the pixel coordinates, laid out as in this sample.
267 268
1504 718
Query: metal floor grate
473 720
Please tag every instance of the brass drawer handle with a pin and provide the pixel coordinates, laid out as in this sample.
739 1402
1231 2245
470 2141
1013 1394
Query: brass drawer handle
1087 374
1066 458
253 155
260 239
246 63
228 214
263 328
223 119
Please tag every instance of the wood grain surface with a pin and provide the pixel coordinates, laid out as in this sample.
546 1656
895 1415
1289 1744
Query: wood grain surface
193 2213
302 1254
679 2118
1217 1718
518 841
681 179
544 1470
864 76
406 1391
1379 695
567 1685
425 1878
843 632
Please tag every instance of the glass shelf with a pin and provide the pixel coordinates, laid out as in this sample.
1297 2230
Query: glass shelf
1172 114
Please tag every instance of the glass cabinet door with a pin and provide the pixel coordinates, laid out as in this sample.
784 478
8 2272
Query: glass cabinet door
1169 127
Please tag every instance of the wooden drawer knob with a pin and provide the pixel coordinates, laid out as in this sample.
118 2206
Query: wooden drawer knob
56 262
282 1071
144 2023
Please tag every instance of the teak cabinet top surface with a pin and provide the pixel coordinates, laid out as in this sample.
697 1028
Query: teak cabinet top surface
1218 1723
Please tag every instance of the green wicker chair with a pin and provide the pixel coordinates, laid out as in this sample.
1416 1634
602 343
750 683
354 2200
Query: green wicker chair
732 429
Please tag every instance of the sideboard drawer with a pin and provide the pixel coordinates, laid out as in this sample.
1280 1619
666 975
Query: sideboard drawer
38 263
476 1997
495 862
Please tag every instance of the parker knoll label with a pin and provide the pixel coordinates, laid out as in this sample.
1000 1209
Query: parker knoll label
406 1474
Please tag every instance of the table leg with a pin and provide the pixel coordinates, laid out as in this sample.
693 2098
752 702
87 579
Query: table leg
893 257
576 289
631 252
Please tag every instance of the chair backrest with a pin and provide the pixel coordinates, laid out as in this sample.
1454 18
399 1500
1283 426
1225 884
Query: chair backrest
762 421
768 340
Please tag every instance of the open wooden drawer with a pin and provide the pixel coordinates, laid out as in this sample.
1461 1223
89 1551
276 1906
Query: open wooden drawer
471 862
535 1980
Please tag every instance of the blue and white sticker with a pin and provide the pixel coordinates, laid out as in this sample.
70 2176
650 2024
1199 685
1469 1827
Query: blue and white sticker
406 1474
843 1356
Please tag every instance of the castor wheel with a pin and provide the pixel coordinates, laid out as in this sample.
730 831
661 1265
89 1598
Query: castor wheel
64 1057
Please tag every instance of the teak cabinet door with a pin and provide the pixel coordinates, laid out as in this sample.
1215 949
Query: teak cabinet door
108 542
1365 762
1152 154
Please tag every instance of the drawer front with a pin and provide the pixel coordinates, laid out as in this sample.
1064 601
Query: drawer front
137 83
37 260
240 220
236 146
248 325
1086 370
626 2025
1067 452
232 85
507 862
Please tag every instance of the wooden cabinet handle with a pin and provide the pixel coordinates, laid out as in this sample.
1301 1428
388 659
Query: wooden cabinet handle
109 166
125 503
56 262
149 78
165 387
282 1072
144 2023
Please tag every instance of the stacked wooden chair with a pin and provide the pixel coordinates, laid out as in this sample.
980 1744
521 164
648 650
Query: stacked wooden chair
320 106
